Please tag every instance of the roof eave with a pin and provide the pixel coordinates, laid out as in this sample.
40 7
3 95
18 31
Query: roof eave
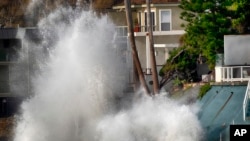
144 5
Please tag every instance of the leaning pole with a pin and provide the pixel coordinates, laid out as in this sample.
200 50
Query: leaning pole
133 46
152 50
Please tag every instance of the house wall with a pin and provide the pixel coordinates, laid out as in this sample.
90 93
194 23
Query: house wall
175 17
118 18
162 53
4 79
176 21
141 48
167 39
236 49
13 70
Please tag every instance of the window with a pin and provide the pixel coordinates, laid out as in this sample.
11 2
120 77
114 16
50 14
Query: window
9 49
4 79
153 20
165 20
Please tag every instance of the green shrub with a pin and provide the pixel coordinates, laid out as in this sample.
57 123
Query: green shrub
203 90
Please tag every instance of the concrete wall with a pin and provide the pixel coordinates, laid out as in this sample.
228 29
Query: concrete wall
118 18
13 70
175 17
141 48
167 39
160 56
237 49
161 53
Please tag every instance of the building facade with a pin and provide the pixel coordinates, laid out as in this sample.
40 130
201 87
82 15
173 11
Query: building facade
15 67
167 29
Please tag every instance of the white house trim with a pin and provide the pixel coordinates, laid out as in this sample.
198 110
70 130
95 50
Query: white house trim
166 45
144 5
161 33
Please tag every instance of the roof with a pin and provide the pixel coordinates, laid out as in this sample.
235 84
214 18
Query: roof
140 2
220 108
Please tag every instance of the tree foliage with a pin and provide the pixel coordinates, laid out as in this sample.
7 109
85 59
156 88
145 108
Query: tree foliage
241 16
206 23
15 12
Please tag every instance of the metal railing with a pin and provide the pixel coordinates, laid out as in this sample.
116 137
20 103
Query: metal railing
235 73
122 31
141 28
245 102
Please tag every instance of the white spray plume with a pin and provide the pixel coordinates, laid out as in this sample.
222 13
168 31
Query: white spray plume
74 92
158 119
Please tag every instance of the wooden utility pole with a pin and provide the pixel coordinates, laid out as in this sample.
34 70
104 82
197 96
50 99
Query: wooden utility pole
133 46
152 50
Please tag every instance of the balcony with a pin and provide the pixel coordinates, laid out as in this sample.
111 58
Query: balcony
232 73
8 58
122 31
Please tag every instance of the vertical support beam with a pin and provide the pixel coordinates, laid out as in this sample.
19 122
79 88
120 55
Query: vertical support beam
241 73
148 63
152 50
28 64
223 74
218 74
133 46
231 70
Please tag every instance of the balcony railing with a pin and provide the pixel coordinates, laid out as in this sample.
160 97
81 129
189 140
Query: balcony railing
123 31
138 28
234 73
245 102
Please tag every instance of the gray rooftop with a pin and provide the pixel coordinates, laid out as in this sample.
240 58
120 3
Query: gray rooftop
220 108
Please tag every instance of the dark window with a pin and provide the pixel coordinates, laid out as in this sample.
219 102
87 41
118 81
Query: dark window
152 20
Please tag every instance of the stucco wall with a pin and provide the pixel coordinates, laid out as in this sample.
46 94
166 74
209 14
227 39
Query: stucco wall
141 48
175 17
160 56
167 39
176 21
118 18
237 49
162 53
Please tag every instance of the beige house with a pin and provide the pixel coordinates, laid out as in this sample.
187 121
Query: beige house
167 29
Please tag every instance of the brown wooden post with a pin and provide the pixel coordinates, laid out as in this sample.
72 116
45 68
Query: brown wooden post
136 77
133 46
152 50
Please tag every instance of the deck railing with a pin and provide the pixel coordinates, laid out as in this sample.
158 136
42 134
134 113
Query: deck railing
245 102
144 28
123 31
235 73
